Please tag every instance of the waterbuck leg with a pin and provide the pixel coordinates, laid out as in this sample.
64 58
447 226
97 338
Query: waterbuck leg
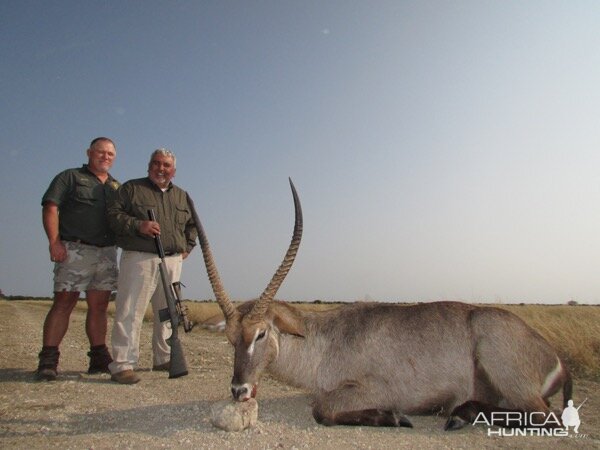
365 417
467 413
356 403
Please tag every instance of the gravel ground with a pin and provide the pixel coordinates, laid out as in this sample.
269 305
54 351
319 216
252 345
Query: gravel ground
80 411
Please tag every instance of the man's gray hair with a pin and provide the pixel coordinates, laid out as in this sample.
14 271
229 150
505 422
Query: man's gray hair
163 152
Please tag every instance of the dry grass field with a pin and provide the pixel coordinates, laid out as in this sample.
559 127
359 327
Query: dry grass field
81 411
574 331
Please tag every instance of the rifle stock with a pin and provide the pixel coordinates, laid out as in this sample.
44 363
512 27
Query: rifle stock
178 364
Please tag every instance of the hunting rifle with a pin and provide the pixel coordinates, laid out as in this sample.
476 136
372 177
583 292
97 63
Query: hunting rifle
175 312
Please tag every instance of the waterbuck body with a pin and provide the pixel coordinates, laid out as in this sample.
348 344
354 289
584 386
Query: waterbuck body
372 363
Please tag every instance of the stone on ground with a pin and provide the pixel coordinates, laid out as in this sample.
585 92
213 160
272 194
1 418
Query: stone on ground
234 416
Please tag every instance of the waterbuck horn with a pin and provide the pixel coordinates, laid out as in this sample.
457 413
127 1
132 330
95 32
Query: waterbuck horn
229 310
260 307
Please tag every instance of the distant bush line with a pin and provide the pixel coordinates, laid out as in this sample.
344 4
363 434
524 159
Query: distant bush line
24 297
316 302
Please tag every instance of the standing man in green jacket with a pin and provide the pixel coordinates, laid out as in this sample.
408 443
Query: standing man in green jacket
83 250
139 274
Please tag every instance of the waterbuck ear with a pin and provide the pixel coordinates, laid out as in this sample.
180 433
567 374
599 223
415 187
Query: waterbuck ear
288 320
289 325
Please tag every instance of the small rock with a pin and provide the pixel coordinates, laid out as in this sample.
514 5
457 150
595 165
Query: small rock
234 416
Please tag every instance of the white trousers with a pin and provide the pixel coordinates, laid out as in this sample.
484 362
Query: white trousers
140 283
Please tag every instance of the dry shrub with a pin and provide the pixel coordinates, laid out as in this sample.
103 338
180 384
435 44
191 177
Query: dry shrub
201 311
198 312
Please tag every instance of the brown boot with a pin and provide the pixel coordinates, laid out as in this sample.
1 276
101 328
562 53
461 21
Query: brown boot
47 367
99 359
125 377
164 367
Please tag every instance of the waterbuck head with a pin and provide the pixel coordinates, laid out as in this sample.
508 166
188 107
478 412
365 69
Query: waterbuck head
252 328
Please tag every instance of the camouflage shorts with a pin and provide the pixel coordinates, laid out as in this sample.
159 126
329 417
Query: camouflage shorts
86 268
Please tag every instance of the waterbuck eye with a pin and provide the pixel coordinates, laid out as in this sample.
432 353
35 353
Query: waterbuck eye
261 335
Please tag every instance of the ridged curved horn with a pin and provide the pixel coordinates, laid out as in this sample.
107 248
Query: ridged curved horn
260 307
229 310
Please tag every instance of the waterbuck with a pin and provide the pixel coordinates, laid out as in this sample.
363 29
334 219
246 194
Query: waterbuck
374 363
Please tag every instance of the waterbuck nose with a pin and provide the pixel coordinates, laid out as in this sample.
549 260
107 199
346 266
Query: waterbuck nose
238 391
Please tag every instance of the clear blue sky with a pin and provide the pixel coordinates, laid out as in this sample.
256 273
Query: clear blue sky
441 149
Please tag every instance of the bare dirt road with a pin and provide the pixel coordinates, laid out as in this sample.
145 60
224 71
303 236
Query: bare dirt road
81 411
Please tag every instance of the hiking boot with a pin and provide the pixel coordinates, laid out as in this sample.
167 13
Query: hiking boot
47 367
125 377
164 367
99 359
46 374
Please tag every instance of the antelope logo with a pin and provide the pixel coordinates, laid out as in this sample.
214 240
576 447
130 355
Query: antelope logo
373 364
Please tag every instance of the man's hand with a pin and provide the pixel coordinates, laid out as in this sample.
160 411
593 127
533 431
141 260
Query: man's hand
58 251
149 228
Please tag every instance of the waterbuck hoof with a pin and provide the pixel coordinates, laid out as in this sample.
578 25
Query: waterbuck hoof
234 416
402 421
454 423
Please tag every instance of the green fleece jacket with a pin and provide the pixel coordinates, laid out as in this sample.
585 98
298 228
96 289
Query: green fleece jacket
130 207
